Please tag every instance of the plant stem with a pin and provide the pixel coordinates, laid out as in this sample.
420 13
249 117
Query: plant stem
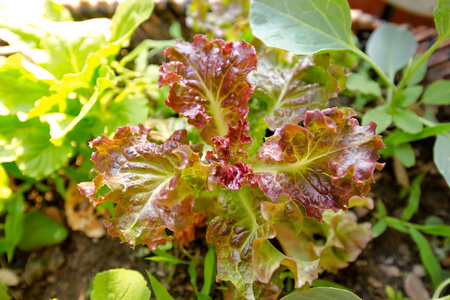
374 66
440 288
424 57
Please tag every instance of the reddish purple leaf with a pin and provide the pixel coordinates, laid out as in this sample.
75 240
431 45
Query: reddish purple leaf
208 82
231 172
245 255
321 165
145 183
289 85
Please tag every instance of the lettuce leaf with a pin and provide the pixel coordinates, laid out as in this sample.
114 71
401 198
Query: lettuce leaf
290 85
208 82
245 255
321 165
145 182
229 168
337 241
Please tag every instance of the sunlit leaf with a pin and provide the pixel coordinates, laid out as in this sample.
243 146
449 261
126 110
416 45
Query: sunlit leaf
290 85
120 284
321 165
145 183
244 255
323 293
127 17
302 26
208 82
391 47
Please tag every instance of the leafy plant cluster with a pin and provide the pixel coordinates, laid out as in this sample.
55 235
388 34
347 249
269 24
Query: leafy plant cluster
254 154
326 165
317 26
73 89
403 111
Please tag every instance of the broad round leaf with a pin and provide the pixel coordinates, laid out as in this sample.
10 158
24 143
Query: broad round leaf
120 284
322 293
437 93
441 155
40 231
391 47
408 121
302 26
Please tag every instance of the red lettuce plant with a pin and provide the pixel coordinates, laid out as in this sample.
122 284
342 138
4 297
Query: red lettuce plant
298 173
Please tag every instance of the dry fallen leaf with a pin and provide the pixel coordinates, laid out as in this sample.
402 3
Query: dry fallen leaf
81 215
415 289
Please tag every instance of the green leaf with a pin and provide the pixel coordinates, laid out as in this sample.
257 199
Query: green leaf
380 115
442 19
408 121
325 283
158 289
22 84
68 53
244 254
396 224
400 137
40 231
381 208
302 26
361 83
419 73
322 293
414 197
5 191
4 292
128 16
411 95
290 85
440 230
210 269
201 296
36 156
167 259
437 93
192 270
405 153
14 224
102 85
391 47
442 155
131 110
56 12
120 284
427 256
379 228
